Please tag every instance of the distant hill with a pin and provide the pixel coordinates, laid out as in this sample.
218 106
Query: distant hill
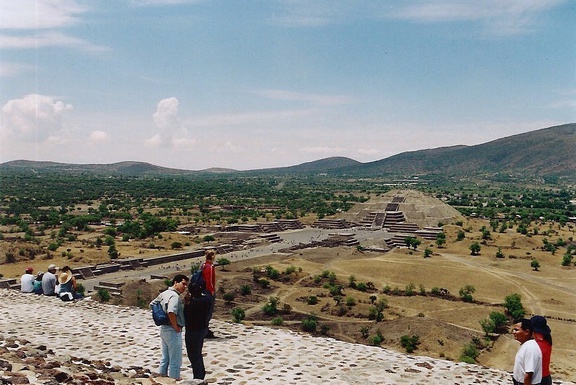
123 168
545 153
318 166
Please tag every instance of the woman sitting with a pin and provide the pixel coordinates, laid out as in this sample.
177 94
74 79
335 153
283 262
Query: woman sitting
68 285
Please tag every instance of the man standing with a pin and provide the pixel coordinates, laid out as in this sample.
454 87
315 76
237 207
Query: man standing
171 333
209 274
528 361
49 281
27 281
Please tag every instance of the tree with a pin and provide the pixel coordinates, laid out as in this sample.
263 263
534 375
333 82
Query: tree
461 235
535 264
475 248
427 253
440 239
466 293
513 306
412 242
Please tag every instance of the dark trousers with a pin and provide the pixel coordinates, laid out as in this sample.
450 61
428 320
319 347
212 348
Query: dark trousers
541 383
194 343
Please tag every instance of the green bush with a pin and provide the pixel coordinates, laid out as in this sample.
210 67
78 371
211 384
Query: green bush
271 307
277 321
312 300
228 297
103 295
513 306
410 343
245 289
238 315
310 323
469 353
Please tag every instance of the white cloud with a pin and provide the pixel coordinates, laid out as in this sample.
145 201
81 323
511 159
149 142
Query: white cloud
99 137
323 150
47 39
39 14
34 118
322 100
170 131
368 151
504 17
8 69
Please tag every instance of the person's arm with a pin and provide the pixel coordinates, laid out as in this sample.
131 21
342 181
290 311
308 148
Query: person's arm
528 378
173 322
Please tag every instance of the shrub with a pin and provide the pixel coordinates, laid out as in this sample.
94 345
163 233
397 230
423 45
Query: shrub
103 295
228 297
513 306
364 332
264 283
271 307
409 343
377 339
410 289
312 300
223 262
350 301
310 323
277 321
245 289
361 286
466 293
469 353
238 315
176 245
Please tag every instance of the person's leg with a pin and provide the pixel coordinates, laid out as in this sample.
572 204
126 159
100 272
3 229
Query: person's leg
210 333
174 353
165 339
196 359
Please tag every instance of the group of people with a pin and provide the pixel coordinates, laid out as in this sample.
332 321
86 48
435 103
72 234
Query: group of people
192 314
532 361
50 283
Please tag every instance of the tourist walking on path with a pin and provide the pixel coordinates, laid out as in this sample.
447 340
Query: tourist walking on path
209 274
543 337
49 281
171 333
528 360
196 311
27 281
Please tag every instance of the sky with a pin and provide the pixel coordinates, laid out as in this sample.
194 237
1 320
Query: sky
251 84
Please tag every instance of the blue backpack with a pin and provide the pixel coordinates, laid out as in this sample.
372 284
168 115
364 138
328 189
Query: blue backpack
159 314
197 279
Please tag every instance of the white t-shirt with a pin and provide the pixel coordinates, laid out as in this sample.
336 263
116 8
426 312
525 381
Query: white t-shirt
528 359
27 283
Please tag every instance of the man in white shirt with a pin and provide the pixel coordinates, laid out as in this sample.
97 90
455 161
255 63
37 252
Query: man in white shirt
528 360
27 281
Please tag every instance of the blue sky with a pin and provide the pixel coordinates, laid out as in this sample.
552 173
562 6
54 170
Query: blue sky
265 83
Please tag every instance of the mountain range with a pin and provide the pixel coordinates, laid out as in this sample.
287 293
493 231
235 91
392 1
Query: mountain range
545 153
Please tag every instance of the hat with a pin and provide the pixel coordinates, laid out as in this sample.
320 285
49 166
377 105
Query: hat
539 325
65 277
29 270
52 267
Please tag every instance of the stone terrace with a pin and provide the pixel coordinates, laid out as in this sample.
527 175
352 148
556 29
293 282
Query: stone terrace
127 337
